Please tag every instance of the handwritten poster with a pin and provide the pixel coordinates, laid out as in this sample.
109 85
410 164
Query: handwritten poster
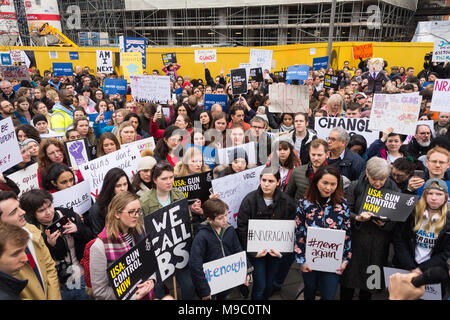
288 98
150 88
206 55
441 51
260 58
9 146
141 145
104 61
11 73
278 235
363 51
26 179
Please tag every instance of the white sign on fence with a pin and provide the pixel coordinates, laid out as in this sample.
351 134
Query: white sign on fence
207 55
26 179
270 234
76 197
146 88
288 98
226 273
104 62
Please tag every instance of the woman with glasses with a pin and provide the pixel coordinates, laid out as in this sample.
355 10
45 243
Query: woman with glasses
163 194
66 244
124 228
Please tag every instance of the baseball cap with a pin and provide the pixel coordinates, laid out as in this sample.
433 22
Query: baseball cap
437 184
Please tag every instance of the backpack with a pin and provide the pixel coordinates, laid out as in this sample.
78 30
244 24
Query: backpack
85 263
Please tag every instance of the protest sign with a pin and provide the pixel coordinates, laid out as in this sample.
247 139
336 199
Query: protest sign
324 125
256 74
170 231
207 55
432 291
441 51
239 81
26 179
195 187
128 44
297 72
247 68
399 111
150 88
441 96
288 98
211 99
104 61
76 197
141 145
319 63
363 51
5 59
77 152
225 155
16 56
281 74
134 267
131 63
57 135
331 82
276 234
226 273
209 154
62 69
106 118
113 86
395 206
234 187
95 170
11 73
169 58
324 249
260 58
9 146
74 55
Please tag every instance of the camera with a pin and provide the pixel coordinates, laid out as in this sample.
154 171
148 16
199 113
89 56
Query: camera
57 225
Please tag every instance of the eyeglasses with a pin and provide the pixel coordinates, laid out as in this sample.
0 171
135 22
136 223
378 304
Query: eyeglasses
332 139
437 162
135 213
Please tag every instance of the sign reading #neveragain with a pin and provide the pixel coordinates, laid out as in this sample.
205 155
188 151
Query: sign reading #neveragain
441 96
134 267
10 154
392 205
169 229
324 249
195 186
226 273
76 197
274 234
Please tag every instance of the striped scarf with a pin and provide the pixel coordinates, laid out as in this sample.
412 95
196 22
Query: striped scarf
115 248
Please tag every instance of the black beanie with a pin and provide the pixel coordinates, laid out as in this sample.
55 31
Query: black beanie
39 117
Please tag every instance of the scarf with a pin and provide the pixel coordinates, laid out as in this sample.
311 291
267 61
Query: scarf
284 128
115 248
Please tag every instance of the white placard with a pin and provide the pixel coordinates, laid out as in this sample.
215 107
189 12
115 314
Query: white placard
145 88
441 51
224 154
104 61
312 51
207 55
141 145
17 56
226 273
95 170
53 54
399 111
270 234
234 187
323 126
9 146
76 197
432 291
441 96
288 98
26 179
260 58
324 249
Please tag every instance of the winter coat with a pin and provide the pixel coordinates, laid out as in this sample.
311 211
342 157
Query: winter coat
416 150
10 287
378 148
304 151
351 166
298 183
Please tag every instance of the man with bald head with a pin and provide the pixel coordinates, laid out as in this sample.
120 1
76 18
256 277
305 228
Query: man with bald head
7 91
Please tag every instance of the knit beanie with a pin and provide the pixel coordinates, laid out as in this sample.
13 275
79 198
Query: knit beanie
146 163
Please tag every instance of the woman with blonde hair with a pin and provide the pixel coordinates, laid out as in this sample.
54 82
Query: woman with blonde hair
127 133
192 163
423 240
124 228
334 106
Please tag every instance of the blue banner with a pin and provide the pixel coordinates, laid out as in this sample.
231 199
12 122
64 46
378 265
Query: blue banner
113 86
209 154
211 99
321 62
74 56
105 121
62 69
297 72
5 59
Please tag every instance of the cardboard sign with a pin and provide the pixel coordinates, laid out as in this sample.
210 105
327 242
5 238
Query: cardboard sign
169 58
9 146
441 96
331 82
441 51
208 55
297 72
150 88
432 291
113 86
195 187
288 98
131 63
62 69
256 74
395 206
169 229
211 99
95 170
104 61
76 197
324 249
319 63
18 73
239 81
26 179
273 234
226 273
224 155
132 268
399 111
234 187
77 152
324 125
363 51
260 58
141 145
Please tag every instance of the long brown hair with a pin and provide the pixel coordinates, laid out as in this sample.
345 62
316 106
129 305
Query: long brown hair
312 194
43 160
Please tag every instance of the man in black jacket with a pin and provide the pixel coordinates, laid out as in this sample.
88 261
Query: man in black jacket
7 91
420 144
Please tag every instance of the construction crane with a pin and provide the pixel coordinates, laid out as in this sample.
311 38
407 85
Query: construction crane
43 31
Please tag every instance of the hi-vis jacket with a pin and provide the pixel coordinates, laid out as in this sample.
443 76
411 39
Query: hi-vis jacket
61 118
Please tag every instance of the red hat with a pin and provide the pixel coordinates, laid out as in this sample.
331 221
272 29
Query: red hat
186 84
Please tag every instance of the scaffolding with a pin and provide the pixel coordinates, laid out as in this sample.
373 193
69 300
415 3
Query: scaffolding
241 26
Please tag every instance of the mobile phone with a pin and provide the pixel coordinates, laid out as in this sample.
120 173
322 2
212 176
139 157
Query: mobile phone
159 108
419 173
58 224
379 218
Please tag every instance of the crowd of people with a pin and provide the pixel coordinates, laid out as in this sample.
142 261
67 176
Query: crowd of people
312 181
